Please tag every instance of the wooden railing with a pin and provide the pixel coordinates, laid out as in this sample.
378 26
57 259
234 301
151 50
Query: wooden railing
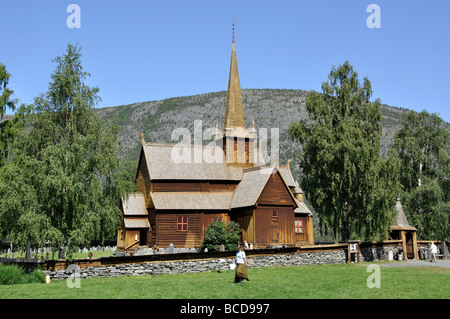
131 245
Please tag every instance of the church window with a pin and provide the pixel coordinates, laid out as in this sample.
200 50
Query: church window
182 223
298 225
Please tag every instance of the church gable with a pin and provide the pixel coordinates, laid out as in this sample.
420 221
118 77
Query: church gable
262 185
143 182
276 192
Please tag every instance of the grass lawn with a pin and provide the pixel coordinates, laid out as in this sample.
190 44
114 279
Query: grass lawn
319 281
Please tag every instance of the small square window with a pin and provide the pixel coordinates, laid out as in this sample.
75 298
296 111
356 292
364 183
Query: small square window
298 225
182 223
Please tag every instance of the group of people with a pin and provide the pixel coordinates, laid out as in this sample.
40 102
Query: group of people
242 265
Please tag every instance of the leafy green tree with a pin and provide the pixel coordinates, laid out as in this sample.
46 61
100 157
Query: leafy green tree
422 147
351 188
218 233
7 127
65 167
18 221
5 93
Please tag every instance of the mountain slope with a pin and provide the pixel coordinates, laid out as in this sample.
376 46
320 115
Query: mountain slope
269 108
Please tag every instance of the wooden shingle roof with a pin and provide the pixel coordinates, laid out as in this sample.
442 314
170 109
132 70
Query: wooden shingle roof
400 221
287 175
134 205
252 184
141 222
302 208
188 162
192 200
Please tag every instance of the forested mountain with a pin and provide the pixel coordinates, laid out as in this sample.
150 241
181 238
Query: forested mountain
269 108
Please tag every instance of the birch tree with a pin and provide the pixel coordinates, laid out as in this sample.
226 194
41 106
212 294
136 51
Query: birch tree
351 188
422 147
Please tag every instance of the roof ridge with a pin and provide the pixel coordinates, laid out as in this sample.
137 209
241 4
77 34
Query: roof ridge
178 144
249 169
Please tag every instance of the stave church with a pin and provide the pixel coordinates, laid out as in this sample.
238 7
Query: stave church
176 200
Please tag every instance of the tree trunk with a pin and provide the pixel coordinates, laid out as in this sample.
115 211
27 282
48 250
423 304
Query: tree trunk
345 227
420 174
28 251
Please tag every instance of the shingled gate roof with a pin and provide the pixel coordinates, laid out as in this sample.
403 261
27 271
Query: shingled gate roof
400 221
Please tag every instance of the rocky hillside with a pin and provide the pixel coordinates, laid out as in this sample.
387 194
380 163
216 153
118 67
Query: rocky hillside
269 108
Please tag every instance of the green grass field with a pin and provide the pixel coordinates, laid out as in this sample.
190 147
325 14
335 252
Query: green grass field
320 281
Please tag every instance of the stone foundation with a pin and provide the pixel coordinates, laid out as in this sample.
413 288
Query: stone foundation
194 266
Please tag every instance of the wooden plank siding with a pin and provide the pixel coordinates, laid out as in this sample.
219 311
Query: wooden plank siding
152 233
274 215
167 232
239 151
301 238
143 182
244 217
275 193
274 230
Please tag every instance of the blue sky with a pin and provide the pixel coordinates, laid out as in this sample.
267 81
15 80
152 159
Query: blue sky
150 50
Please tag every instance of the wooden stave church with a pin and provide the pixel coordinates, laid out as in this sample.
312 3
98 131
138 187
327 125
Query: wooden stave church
175 202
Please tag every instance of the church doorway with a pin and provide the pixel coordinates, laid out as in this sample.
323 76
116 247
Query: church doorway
143 237
409 245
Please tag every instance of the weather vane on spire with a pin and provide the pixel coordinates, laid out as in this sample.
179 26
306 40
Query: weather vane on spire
234 21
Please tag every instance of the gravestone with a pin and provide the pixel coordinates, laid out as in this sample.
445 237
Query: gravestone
222 247
390 255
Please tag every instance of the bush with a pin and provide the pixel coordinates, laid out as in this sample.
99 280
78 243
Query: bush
217 233
14 275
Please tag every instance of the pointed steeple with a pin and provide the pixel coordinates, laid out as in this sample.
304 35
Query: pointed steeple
234 123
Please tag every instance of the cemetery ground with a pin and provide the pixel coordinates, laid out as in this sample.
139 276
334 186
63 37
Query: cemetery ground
343 281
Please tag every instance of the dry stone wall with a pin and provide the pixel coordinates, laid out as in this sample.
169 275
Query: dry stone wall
194 266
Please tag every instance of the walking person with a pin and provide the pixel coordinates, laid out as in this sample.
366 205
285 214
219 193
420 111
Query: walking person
433 251
241 266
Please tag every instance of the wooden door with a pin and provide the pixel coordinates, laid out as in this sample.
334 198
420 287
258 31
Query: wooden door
409 245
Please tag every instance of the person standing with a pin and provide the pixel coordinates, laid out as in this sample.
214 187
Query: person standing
433 250
241 266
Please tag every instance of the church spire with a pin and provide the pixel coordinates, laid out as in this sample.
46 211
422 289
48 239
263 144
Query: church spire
234 123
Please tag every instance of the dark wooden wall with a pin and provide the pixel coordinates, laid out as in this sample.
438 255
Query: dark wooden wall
244 217
276 193
239 151
143 183
301 238
193 186
274 230
167 233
